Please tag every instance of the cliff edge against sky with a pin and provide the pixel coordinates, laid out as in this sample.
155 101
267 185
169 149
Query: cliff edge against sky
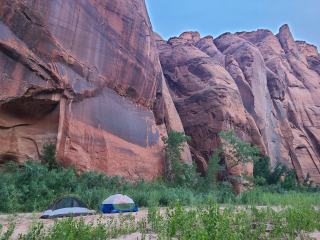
264 86
84 74
93 78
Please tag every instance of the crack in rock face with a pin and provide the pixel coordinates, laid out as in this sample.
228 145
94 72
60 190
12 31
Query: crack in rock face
263 86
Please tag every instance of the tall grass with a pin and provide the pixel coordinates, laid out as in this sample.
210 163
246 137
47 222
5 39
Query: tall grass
210 221
72 228
290 198
206 221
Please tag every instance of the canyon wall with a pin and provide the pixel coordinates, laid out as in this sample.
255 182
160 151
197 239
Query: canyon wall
85 75
264 86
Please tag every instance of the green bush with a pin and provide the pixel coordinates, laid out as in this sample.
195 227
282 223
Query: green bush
34 186
177 172
49 156
71 228
235 152
210 221
272 178
8 233
262 168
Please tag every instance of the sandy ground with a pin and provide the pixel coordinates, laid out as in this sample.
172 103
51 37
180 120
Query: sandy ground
24 220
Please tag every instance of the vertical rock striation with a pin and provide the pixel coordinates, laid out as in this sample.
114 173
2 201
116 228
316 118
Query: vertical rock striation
205 95
263 86
84 74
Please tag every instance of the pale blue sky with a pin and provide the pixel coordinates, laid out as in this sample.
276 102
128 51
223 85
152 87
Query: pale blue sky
214 17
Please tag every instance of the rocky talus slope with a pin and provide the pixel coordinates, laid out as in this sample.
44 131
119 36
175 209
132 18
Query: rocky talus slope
84 74
264 86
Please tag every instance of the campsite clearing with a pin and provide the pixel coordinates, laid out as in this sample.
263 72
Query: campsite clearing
25 220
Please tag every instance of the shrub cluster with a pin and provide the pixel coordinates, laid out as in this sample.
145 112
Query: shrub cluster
33 186
210 221
72 228
280 178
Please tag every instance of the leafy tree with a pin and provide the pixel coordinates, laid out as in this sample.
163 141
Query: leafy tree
289 182
277 173
213 169
307 183
49 156
11 167
261 168
177 172
236 152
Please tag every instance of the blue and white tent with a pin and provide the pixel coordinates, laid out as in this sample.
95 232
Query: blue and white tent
118 203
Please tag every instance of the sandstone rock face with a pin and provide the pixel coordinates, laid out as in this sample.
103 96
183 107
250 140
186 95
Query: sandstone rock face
206 97
263 86
84 74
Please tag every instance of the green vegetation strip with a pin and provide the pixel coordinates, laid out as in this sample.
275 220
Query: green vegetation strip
206 221
31 187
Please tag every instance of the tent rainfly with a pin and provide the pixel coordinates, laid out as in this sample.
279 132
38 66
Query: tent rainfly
118 203
66 206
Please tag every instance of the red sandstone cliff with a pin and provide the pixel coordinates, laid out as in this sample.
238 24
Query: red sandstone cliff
85 75
263 86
